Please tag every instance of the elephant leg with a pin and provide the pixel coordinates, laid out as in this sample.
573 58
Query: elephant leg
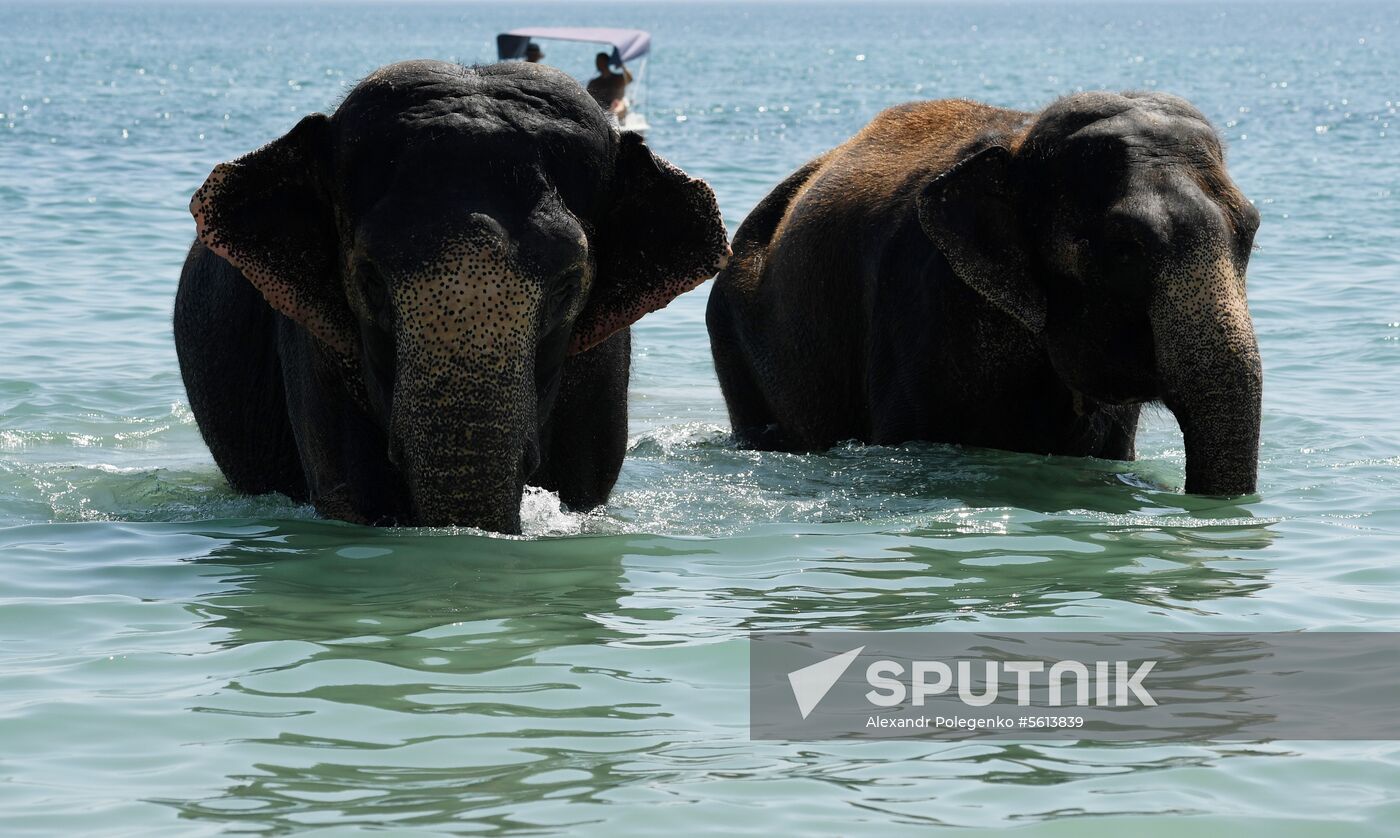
583 441
749 413
226 341
752 371
1120 441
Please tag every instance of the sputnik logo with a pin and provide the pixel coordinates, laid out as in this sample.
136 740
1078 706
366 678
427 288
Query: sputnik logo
810 684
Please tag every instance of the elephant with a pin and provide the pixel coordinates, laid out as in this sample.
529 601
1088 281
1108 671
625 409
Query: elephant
965 274
404 311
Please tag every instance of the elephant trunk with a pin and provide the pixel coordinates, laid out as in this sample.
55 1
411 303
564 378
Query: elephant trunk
465 441
462 423
1212 381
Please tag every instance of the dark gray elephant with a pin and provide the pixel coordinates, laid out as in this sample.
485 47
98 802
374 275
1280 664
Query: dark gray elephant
406 310
966 274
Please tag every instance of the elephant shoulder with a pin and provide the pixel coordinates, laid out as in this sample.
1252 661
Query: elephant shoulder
830 211
761 229
877 172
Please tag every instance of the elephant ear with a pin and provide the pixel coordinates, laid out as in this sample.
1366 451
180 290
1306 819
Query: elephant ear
661 237
267 214
970 213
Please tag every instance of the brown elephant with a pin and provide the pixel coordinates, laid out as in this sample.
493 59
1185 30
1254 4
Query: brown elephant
967 274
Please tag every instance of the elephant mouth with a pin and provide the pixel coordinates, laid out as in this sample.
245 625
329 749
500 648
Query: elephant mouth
1129 399
1088 400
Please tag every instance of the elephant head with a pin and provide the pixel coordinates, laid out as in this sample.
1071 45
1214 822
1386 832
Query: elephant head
1108 227
448 236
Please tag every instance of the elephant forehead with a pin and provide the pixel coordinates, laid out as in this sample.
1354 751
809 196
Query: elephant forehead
539 87
1119 113
1144 136
523 103
426 179
483 114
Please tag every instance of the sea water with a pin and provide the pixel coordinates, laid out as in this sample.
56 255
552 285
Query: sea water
178 659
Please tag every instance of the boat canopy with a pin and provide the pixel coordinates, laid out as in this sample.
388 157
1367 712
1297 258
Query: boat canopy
627 44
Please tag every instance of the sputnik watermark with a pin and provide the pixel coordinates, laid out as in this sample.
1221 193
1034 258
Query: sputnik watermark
811 683
1083 686
889 691
1113 682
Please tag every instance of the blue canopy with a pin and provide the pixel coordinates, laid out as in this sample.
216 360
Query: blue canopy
627 44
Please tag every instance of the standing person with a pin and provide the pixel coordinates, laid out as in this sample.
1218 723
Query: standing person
609 89
533 53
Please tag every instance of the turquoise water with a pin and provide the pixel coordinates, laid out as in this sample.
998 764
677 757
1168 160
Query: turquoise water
176 659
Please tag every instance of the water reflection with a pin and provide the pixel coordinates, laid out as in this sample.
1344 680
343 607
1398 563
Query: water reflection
407 591
418 675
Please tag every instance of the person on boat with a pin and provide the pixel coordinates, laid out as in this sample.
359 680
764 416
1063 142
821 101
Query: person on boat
533 53
609 88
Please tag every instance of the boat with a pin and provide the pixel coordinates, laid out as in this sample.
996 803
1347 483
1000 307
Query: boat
630 48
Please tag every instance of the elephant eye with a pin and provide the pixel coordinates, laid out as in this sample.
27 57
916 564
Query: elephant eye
373 288
1082 252
567 287
1124 245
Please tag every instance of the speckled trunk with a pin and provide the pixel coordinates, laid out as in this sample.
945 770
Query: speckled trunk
461 435
463 420
1208 363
